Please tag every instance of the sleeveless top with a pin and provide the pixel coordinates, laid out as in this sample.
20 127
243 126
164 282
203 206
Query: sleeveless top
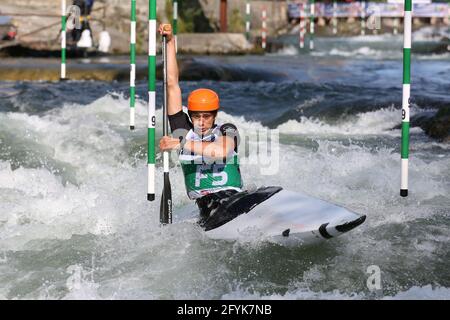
204 176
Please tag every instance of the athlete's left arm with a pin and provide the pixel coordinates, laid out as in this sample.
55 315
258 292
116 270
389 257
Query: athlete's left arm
222 148
219 149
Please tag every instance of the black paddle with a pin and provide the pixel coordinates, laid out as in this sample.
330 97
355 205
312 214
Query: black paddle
166 198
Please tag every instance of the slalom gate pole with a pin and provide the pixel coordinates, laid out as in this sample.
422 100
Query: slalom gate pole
175 23
406 96
166 198
151 99
247 20
63 39
264 28
335 17
311 25
302 25
448 22
363 17
132 64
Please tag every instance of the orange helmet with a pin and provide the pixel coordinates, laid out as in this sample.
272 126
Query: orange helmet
203 100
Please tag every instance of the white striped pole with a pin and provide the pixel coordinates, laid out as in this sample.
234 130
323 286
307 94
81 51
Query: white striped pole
395 31
302 25
132 64
247 20
376 18
375 27
264 28
448 14
335 17
406 96
311 36
151 99
448 21
175 23
363 17
63 39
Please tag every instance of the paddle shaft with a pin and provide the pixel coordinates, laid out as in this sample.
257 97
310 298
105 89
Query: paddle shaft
165 118
166 198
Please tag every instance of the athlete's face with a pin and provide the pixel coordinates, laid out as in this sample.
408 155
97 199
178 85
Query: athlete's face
202 121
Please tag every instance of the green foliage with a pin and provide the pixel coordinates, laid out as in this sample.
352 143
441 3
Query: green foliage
169 10
236 23
183 26
191 17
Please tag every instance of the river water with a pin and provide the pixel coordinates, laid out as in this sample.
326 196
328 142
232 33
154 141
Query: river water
75 222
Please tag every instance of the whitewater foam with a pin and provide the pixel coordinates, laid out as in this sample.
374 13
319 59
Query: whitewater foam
378 122
106 215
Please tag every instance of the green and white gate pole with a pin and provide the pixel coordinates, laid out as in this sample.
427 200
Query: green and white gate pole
363 17
151 98
175 23
132 63
448 13
63 39
247 20
406 96
335 17
302 25
311 36
264 28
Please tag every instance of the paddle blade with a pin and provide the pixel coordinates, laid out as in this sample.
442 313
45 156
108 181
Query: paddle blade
166 201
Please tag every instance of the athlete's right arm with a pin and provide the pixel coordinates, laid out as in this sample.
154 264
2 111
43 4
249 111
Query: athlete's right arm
173 87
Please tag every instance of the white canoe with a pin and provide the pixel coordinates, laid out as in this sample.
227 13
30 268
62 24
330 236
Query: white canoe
274 214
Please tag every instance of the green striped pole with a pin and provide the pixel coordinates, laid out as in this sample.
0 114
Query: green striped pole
63 39
302 25
311 25
247 20
264 28
363 17
132 63
448 24
335 17
151 98
175 23
406 96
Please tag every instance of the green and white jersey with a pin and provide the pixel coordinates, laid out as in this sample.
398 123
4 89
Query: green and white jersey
203 175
